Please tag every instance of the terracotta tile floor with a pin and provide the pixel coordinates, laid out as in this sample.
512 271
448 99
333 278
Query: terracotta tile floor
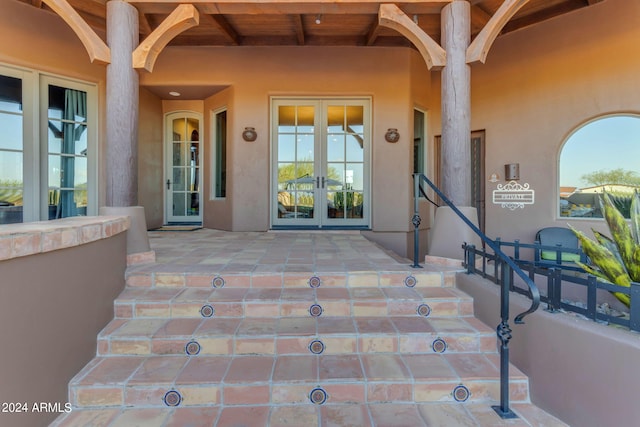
255 349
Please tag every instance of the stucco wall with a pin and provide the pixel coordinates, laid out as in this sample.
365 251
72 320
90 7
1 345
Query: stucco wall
537 86
256 73
52 307
582 372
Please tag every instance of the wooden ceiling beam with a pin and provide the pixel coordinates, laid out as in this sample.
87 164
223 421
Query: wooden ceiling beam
372 34
96 47
222 24
479 48
143 24
393 17
227 29
299 28
182 18
543 15
288 7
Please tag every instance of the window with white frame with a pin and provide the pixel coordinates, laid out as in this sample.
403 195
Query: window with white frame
48 147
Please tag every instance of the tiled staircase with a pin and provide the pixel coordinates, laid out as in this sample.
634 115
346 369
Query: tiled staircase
293 347
355 348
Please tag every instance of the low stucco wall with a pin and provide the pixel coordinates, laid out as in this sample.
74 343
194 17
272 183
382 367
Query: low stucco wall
582 372
58 280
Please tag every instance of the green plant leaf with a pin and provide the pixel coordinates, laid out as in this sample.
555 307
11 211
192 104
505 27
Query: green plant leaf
621 234
635 217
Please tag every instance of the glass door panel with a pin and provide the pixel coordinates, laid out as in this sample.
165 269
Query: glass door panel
320 153
296 167
67 147
345 162
183 174
11 151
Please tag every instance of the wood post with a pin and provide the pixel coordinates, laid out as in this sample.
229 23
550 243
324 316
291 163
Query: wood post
122 106
456 103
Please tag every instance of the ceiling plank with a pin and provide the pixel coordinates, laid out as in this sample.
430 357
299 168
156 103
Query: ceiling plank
182 18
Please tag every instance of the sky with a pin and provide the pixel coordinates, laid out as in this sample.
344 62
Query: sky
605 144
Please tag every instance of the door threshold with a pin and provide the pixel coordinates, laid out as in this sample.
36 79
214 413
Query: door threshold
323 228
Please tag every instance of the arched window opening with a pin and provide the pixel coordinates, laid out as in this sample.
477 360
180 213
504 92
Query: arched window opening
602 155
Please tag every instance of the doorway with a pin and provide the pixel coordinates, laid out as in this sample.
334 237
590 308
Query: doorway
320 152
477 147
182 168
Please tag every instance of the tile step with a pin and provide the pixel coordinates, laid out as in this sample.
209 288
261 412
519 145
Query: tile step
283 380
343 415
206 279
290 335
291 302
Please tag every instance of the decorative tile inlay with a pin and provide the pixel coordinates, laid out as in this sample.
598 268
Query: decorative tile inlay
315 282
439 345
315 310
410 281
316 347
172 398
318 396
424 310
461 393
207 310
192 348
217 282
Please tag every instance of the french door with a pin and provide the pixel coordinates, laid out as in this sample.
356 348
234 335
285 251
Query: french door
320 162
183 174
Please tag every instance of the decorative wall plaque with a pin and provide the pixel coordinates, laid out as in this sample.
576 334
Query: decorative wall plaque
513 195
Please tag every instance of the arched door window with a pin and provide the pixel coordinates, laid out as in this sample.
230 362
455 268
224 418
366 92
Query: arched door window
602 155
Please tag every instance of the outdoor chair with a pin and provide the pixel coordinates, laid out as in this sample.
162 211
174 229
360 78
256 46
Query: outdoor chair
552 237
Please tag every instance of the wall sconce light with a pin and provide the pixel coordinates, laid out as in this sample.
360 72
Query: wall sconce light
392 135
249 134
318 19
512 172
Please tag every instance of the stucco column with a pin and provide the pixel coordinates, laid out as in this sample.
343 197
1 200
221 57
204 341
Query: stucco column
456 103
122 106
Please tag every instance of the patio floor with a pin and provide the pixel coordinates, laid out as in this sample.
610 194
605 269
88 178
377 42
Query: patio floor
186 259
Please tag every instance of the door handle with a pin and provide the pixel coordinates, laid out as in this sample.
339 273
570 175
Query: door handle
323 182
317 182
168 184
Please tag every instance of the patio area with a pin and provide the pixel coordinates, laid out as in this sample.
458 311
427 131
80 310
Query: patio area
206 251
387 345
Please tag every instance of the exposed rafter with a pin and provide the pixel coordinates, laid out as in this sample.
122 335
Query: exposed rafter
227 29
392 16
372 34
182 18
96 48
299 28
143 24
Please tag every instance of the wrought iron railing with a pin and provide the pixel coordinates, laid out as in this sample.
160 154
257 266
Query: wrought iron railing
557 274
507 268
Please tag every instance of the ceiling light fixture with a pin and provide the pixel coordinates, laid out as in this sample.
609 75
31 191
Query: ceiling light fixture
318 19
174 93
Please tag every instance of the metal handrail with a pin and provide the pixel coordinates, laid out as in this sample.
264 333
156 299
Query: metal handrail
503 330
